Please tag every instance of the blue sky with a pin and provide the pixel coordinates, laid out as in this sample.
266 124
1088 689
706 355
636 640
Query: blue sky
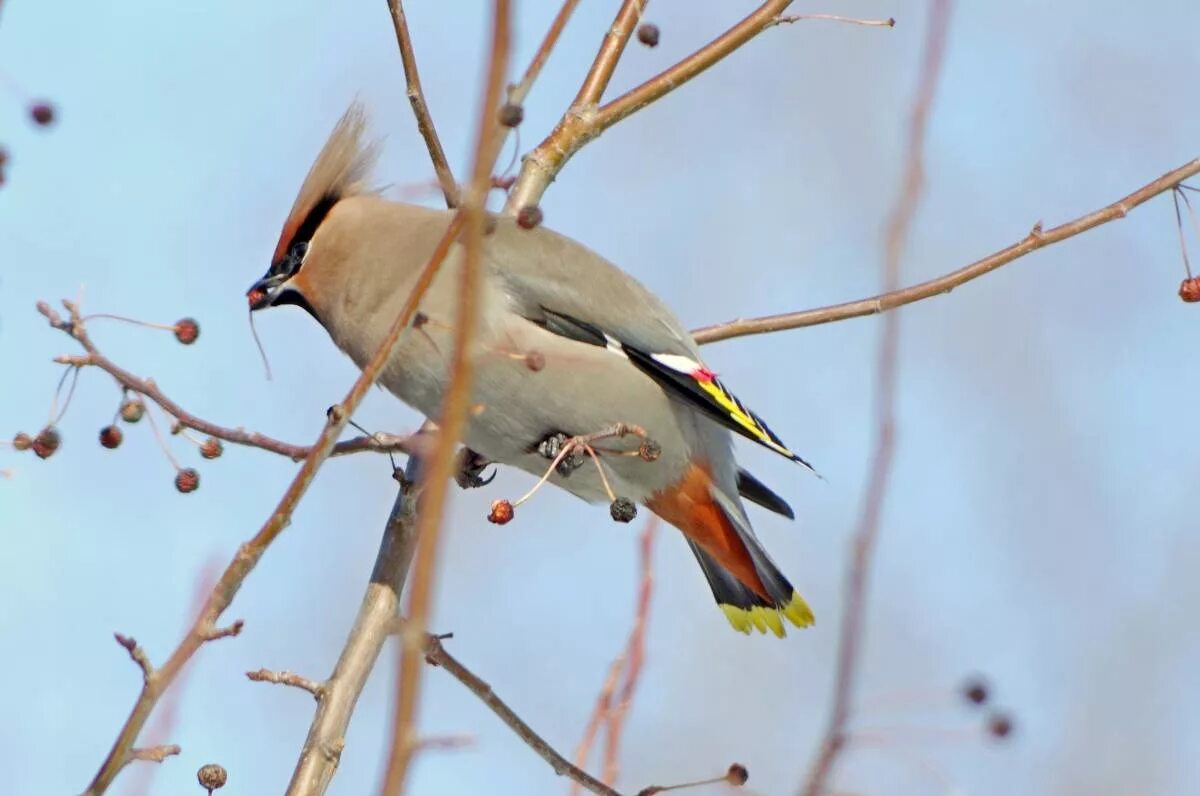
1041 525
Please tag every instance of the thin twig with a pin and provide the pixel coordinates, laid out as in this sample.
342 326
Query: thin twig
416 96
454 413
167 716
518 91
436 654
288 678
858 573
321 754
890 300
629 663
250 552
890 22
635 653
379 443
155 754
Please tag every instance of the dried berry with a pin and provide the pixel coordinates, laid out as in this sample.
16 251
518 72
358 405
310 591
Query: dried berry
187 480
511 114
22 442
502 512
256 298
529 217
737 774
623 509
1189 289
975 691
211 448
212 777
132 410
647 34
535 361
999 725
111 437
187 330
649 450
42 113
47 442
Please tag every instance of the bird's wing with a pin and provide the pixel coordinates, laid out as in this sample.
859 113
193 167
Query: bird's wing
573 292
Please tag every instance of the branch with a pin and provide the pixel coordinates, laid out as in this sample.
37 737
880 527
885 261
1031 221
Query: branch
629 663
416 96
518 91
77 330
586 119
858 574
250 552
288 678
1037 238
453 419
436 654
339 694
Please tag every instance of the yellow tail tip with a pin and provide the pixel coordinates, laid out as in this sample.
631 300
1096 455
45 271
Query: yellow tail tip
763 618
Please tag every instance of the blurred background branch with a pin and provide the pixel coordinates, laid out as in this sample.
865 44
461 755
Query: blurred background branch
862 544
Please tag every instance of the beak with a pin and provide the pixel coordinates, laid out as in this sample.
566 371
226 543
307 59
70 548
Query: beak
264 292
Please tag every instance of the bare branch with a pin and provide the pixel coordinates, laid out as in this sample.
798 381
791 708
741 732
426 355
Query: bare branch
154 754
214 633
628 663
322 748
380 443
518 91
859 570
416 96
736 775
454 410
288 678
890 22
436 654
1037 238
136 654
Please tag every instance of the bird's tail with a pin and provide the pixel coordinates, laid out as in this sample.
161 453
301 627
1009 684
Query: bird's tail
748 586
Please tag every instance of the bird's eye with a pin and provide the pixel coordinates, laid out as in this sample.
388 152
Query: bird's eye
295 257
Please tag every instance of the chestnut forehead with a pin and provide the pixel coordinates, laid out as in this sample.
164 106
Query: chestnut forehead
301 227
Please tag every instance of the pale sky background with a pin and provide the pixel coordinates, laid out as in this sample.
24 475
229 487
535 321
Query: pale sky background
1042 523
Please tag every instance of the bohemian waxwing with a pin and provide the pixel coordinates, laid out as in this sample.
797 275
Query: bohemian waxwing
609 353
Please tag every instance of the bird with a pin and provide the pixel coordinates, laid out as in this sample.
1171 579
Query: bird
571 356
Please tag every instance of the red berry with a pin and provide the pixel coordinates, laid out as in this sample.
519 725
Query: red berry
111 436
3 156
47 442
187 480
975 691
1000 725
529 217
42 113
132 410
502 512
22 442
647 34
737 774
211 448
256 298
535 361
187 330
511 114
1189 289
